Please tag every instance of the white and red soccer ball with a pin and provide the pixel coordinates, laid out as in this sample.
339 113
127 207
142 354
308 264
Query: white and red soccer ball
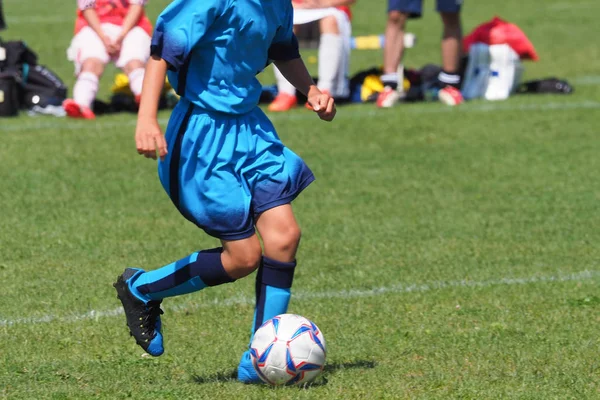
288 349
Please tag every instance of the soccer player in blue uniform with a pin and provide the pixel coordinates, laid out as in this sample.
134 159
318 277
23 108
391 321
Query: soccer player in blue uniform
221 161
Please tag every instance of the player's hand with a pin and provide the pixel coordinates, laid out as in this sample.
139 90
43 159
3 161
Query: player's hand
111 49
149 139
117 44
321 103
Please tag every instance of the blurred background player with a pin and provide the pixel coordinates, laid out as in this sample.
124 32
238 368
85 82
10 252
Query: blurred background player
107 30
399 11
335 28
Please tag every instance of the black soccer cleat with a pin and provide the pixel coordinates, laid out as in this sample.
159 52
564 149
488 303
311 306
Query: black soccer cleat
143 317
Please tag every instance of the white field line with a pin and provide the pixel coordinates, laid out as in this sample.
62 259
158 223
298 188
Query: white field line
586 275
369 111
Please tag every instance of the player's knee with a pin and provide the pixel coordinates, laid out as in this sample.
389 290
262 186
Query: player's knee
329 25
132 66
450 20
286 241
93 65
397 19
248 261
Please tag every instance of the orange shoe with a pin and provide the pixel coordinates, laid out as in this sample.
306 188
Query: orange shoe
74 110
309 107
283 102
450 96
388 98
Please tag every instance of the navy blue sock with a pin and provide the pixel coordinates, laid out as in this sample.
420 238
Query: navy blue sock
273 290
190 274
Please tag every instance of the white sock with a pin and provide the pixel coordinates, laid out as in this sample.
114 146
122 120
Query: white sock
85 89
283 86
331 51
136 80
390 78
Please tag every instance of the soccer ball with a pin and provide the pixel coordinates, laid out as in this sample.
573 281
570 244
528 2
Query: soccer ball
288 349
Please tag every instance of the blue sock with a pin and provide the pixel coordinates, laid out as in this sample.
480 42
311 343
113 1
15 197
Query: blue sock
190 274
273 290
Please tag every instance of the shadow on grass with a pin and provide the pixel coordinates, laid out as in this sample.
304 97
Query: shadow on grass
330 368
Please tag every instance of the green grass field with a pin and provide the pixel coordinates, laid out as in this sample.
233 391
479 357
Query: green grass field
448 253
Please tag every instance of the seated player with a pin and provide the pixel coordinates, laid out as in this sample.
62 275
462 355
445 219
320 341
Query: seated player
107 30
335 28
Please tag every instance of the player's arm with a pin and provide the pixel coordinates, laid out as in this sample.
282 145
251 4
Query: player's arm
135 12
285 53
296 73
148 136
178 28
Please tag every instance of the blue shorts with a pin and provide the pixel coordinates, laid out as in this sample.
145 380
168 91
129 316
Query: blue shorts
223 170
415 7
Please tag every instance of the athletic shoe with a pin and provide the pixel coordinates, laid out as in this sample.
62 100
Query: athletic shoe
246 371
309 107
143 317
450 96
388 98
283 102
74 110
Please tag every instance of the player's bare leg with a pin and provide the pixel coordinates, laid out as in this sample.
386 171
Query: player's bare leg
451 42
449 77
242 257
393 52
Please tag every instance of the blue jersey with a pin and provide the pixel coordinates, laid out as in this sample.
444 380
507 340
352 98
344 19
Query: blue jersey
215 48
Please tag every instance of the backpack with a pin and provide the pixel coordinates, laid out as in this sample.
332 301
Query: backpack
9 95
38 88
547 85
42 87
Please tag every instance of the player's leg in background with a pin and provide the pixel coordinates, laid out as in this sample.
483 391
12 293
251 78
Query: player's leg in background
281 236
85 89
135 51
88 53
331 54
399 11
451 42
448 82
